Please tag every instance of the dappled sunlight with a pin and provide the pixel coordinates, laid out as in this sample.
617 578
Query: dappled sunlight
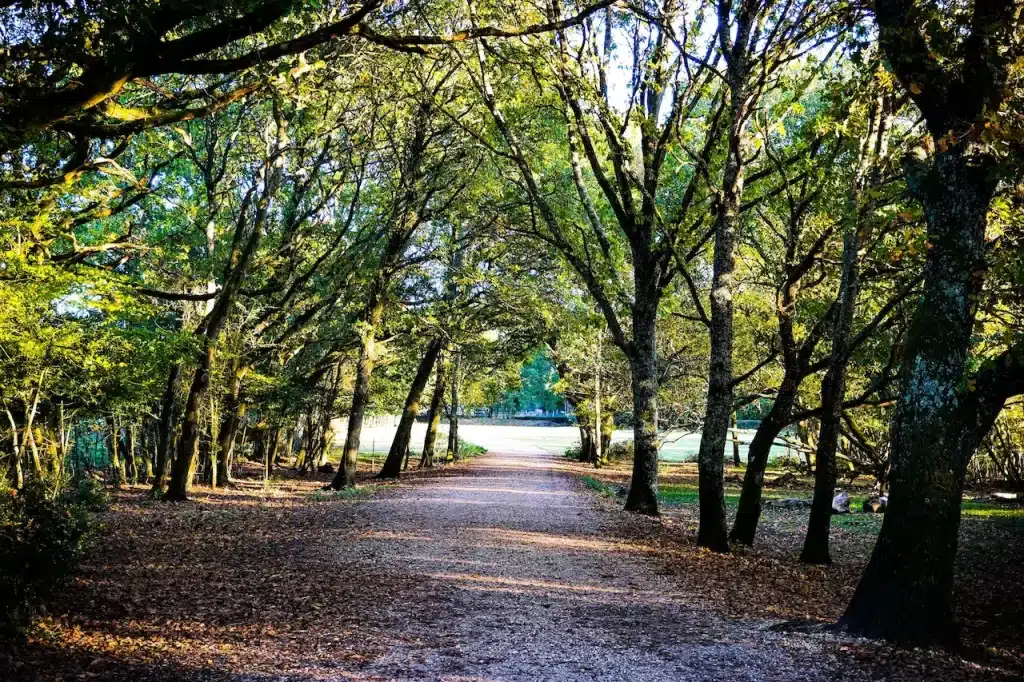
527 584
526 462
293 591
572 542
394 535
450 500
446 560
199 646
556 589
515 491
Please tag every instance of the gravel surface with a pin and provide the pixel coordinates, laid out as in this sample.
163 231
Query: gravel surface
506 568
523 575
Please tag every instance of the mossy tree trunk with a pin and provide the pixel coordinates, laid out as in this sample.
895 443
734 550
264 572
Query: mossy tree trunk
400 444
433 417
942 413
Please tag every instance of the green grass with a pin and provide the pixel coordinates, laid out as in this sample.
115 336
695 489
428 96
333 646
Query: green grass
361 493
679 495
597 485
682 494
858 523
994 513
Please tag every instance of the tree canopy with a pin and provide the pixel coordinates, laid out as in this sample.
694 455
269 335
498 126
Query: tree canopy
227 225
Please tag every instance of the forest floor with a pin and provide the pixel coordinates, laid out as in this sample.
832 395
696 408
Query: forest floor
508 567
989 595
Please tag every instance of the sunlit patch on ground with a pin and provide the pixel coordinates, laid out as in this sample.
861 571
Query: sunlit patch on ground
767 581
504 569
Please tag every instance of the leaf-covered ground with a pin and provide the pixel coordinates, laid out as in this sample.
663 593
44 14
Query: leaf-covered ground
507 568
990 574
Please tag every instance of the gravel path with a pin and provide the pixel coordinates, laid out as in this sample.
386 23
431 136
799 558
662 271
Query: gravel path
520 573
504 569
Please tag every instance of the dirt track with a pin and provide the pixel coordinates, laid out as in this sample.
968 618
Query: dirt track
522 578
506 569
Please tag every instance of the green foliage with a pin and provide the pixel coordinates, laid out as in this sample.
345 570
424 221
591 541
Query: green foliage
468 450
619 451
537 378
42 537
684 494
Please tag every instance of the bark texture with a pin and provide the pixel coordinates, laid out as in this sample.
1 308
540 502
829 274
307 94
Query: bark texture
400 445
453 413
433 418
906 591
234 412
346 475
833 388
748 513
643 487
712 531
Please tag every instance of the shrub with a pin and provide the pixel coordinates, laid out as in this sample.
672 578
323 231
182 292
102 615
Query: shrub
617 451
574 452
788 463
42 537
467 449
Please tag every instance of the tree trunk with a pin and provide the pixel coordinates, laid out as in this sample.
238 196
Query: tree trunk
272 450
116 463
234 411
188 440
712 531
433 418
33 447
64 438
710 458
147 457
289 445
165 428
905 593
453 416
400 444
326 437
210 329
260 446
327 413
346 476
133 465
744 528
833 388
212 444
643 487
815 550
736 461
30 437
309 445
607 427
19 473
588 448
599 451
